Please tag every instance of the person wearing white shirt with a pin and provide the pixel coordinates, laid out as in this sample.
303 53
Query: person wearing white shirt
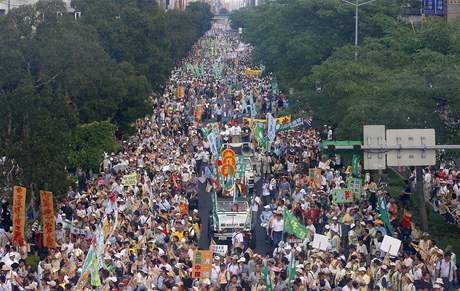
447 270
277 227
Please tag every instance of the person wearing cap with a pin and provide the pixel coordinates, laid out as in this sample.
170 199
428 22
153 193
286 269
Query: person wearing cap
447 270
362 278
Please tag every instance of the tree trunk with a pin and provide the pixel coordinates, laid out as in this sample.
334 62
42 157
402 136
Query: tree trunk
421 199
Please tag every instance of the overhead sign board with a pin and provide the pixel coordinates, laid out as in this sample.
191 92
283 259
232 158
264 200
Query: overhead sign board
407 138
374 136
433 7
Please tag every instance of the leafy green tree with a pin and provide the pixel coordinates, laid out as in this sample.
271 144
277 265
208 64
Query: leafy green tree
89 143
35 133
66 86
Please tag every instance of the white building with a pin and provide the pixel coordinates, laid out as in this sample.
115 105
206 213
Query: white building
6 5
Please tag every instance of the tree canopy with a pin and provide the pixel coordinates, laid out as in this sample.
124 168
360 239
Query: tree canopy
68 84
402 74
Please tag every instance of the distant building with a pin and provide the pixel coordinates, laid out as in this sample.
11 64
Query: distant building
7 5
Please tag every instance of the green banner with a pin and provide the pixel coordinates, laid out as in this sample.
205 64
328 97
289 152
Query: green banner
291 271
355 165
267 279
384 215
356 186
293 226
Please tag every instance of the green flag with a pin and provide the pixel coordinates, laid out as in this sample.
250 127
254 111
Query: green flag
205 132
259 133
267 279
384 215
293 226
355 165
291 270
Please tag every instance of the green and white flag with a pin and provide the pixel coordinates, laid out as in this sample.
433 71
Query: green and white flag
384 216
267 279
275 88
291 270
244 104
293 226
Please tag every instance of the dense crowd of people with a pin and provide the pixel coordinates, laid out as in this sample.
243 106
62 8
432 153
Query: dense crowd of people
150 228
442 190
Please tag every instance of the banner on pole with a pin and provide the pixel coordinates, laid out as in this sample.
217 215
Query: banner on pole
293 226
49 227
130 180
279 120
293 124
342 196
219 249
253 72
356 186
271 132
202 264
19 200
19 214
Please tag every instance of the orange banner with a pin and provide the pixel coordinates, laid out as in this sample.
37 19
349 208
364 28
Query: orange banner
49 229
202 264
19 214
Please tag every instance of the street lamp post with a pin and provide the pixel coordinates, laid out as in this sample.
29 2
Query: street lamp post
356 5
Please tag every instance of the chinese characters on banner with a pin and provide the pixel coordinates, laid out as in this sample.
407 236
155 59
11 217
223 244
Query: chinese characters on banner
49 231
19 214
202 264
220 249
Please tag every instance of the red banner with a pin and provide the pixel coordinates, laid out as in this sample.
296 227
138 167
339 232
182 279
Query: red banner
19 214
49 228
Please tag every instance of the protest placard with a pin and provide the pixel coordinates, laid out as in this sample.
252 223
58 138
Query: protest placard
320 242
219 249
390 245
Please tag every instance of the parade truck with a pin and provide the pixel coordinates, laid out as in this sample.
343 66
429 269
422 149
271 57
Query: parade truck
231 209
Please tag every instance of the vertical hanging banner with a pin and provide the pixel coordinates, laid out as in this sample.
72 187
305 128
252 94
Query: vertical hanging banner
19 214
49 229
212 140
271 127
252 106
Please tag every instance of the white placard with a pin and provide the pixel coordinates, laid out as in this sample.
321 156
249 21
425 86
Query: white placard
321 242
219 249
390 245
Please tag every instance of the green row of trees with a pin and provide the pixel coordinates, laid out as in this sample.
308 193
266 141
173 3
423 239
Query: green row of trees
69 86
402 72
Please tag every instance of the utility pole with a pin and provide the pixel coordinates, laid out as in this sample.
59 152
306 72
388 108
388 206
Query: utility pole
421 203
9 5
356 5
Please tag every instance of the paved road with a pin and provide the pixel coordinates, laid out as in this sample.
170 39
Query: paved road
259 234
205 210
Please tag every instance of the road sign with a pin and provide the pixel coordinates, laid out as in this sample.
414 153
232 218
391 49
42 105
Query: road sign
433 7
374 136
407 138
